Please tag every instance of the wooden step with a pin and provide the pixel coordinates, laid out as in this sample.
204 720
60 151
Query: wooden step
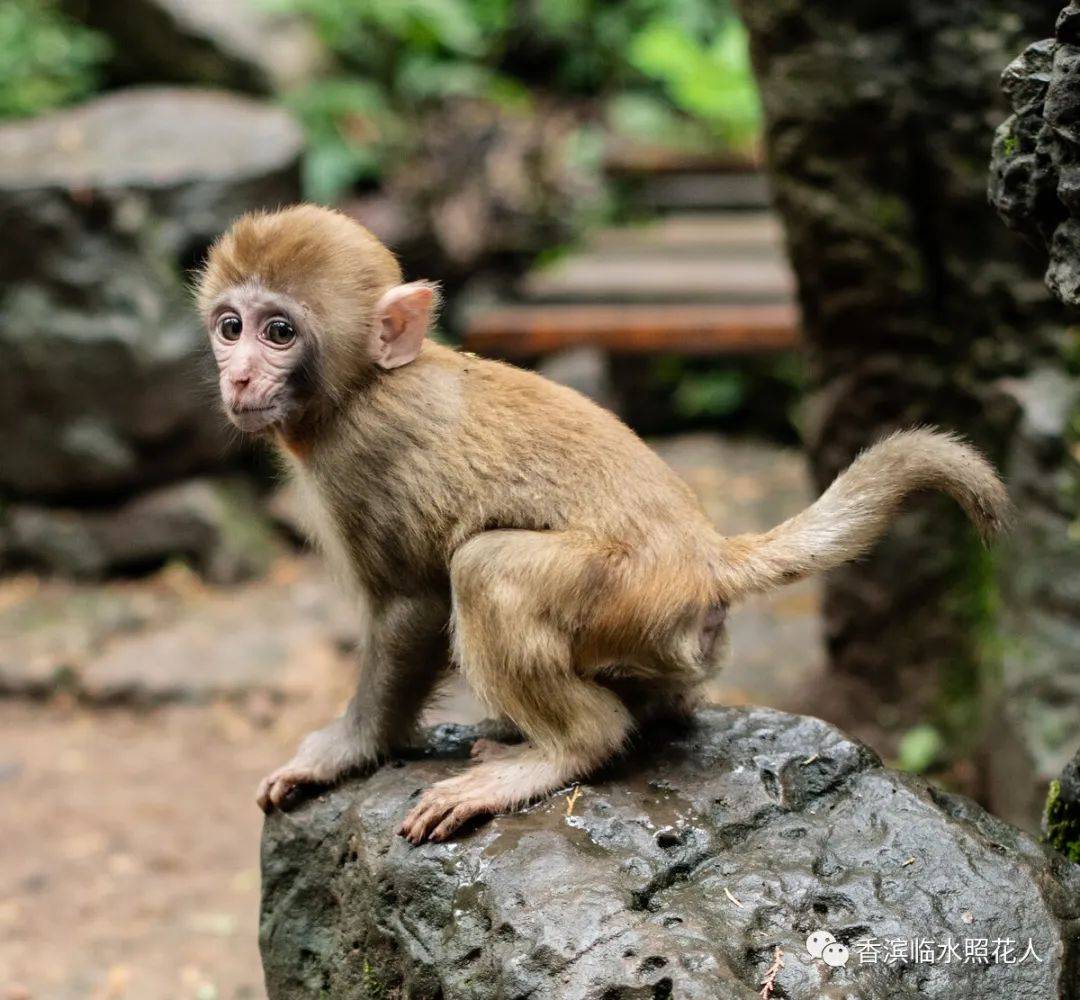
691 233
600 276
532 330
705 192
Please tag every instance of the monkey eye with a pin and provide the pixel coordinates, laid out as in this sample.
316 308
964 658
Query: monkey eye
280 332
229 327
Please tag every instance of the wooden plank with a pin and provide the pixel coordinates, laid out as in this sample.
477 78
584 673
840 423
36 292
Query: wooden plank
637 158
729 233
699 192
599 277
519 331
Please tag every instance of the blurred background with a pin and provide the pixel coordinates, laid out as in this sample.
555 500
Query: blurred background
762 240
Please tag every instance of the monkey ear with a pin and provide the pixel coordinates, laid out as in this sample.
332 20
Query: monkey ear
403 316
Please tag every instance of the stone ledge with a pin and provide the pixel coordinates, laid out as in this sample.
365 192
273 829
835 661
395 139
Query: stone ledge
678 874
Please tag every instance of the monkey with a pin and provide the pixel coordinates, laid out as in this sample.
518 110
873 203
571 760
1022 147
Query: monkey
495 523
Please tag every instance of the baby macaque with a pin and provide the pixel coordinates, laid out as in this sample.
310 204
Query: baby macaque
500 524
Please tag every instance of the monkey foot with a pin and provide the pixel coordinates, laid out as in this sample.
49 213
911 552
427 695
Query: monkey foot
277 790
482 749
446 805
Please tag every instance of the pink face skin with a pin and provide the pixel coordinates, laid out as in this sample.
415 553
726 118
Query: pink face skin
259 340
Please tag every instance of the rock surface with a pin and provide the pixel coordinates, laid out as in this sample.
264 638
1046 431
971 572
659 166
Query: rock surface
241 45
173 638
678 874
215 525
105 209
1035 172
1035 186
916 302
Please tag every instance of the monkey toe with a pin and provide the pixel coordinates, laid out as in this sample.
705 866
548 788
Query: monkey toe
441 812
484 749
286 788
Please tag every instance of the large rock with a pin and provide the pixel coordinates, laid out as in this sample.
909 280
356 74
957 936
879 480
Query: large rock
242 44
216 526
173 638
104 209
683 872
1035 171
1035 186
916 304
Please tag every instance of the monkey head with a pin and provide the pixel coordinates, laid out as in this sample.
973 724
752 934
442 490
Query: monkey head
301 306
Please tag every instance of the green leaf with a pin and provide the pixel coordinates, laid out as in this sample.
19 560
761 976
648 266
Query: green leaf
920 748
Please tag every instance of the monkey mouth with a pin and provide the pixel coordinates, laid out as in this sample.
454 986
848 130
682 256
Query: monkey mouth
254 418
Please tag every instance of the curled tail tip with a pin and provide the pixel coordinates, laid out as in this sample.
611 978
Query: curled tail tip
994 512
987 500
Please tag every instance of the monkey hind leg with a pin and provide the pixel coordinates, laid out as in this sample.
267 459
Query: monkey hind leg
516 653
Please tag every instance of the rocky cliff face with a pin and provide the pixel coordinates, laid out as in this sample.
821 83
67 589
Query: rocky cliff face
697 870
1035 186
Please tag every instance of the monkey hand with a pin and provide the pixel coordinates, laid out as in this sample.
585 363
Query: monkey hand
324 756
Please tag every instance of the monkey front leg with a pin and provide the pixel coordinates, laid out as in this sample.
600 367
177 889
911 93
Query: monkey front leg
403 654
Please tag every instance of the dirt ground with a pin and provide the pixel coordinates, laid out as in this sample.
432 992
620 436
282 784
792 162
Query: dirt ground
130 834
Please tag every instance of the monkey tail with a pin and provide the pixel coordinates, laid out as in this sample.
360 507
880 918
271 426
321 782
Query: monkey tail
859 505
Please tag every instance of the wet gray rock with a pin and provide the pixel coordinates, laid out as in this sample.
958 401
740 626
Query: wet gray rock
680 873
240 45
104 209
216 526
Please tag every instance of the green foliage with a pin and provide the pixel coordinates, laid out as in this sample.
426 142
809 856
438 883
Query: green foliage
666 70
1061 820
920 748
46 59
347 122
710 394
708 79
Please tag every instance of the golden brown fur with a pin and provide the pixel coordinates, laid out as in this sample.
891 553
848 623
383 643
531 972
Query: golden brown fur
561 554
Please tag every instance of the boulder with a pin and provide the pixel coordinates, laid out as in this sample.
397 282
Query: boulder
1061 820
172 637
216 525
696 868
105 208
241 45
1035 169
1035 186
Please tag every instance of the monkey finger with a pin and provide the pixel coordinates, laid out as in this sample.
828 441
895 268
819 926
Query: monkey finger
428 812
262 796
458 815
281 788
485 749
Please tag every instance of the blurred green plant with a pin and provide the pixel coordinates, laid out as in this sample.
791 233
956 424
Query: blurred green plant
46 59
920 748
672 71
756 394
709 79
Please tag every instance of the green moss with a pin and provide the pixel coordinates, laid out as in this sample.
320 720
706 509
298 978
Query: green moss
1010 145
891 213
972 673
1061 820
371 985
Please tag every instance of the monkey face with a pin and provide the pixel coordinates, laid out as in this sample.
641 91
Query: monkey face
260 341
